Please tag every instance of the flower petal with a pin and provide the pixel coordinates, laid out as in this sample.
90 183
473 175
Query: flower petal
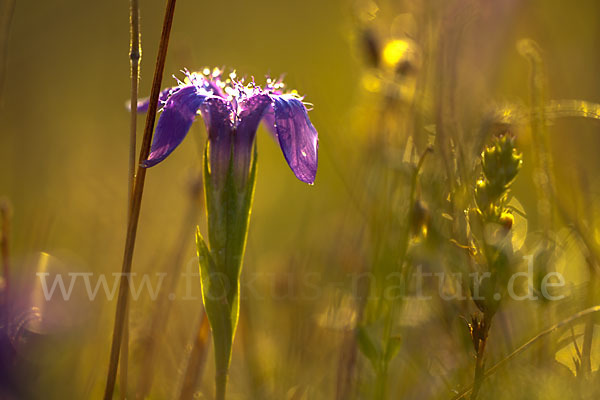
269 121
216 113
174 123
252 111
143 104
297 136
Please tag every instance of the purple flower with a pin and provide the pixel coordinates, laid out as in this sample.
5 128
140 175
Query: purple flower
232 112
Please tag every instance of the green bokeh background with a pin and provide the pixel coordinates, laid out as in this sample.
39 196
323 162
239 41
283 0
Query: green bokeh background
63 167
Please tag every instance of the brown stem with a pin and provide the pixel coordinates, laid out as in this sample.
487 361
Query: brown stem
196 360
479 365
135 56
136 202
346 366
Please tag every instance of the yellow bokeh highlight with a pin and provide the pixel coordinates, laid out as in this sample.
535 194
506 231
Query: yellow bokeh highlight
395 51
371 83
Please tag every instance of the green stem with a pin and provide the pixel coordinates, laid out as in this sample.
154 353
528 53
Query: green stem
228 206
221 384
381 384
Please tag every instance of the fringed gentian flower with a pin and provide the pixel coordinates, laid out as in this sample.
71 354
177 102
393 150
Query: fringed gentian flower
232 112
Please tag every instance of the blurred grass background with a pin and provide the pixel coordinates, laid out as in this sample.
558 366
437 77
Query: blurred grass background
63 167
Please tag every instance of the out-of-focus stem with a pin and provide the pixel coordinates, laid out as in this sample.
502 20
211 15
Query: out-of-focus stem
449 41
588 333
7 11
162 313
381 384
543 167
565 322
382 372
5 253
136 202
253 367
346 366
124 363
586 348
592 262
197 360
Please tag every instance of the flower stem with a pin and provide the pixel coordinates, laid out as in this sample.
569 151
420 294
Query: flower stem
135 56
228 210
482 335
136 202
381 384
221 382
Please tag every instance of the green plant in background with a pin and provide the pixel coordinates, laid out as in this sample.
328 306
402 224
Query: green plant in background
376 337
491 223
397 215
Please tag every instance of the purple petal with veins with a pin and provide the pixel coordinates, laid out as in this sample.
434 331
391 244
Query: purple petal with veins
174 123
269 121
143 104
252 110
297 136
216 113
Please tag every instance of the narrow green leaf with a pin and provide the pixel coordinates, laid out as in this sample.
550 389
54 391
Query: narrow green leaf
367 347
392 348
215 287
